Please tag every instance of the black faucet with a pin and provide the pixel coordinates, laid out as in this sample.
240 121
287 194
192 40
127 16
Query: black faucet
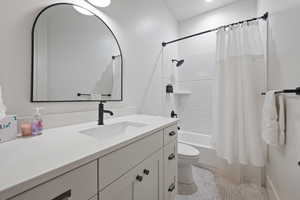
101 113
173 114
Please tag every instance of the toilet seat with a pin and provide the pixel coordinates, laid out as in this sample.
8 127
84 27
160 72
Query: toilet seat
186 151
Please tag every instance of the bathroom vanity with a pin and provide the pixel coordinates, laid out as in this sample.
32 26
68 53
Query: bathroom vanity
132 157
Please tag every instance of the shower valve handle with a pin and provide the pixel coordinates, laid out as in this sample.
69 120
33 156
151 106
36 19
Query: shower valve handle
173 114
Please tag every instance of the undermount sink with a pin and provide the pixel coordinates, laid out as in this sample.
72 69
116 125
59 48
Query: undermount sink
113 130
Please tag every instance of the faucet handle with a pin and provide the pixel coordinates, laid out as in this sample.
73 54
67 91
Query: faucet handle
173 114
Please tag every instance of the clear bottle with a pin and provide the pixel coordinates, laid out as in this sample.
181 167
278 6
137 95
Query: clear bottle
37 122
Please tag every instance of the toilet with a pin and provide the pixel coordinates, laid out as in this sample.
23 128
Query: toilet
187 156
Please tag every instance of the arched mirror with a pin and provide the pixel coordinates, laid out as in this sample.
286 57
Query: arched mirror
75 57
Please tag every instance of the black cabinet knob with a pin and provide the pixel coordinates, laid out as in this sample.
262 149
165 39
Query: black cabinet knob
172 156
299 163
139 178
171 188
173 133
146 172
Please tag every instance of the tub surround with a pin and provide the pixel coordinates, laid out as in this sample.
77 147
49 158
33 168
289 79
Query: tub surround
28 162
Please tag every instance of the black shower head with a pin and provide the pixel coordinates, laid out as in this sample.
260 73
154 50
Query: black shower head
179 62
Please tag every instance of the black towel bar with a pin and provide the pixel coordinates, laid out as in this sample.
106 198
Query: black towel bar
289 91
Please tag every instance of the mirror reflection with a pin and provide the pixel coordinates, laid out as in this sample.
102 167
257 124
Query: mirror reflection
76 57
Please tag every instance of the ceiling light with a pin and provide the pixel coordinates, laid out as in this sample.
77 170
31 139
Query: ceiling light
82 11
100 3
208 1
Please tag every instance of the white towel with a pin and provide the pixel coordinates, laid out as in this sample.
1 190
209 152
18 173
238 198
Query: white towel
2 106
281 120
270 126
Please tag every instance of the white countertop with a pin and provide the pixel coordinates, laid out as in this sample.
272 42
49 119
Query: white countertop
27 162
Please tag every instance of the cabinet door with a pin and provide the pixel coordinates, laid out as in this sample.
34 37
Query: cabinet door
117 163
120 189
141 183
150 187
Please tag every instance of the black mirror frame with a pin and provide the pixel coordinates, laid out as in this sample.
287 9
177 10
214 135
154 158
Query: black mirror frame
32 56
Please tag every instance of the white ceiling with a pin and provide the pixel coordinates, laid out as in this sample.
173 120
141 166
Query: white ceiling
183 9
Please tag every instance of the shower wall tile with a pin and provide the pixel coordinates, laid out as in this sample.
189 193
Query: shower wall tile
197 77
201 93
196 109
196 120
197 67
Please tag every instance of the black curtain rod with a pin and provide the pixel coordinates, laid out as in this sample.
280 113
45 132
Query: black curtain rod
264 17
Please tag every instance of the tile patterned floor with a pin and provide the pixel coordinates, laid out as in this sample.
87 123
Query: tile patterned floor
217 188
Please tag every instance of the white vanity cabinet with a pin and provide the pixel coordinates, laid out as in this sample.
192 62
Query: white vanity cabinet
144 169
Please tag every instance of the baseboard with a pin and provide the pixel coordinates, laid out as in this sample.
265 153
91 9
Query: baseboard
272 193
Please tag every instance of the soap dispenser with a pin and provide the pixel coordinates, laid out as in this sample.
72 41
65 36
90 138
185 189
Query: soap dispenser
37 122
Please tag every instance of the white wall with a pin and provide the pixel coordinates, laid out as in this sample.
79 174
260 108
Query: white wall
284 70
140 26
197 74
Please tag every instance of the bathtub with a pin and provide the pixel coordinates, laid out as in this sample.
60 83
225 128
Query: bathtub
202 142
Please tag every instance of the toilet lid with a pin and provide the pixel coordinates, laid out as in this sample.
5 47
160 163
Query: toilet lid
186 150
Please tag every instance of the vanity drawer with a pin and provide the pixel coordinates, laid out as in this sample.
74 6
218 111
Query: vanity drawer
79 184
116 164
170 134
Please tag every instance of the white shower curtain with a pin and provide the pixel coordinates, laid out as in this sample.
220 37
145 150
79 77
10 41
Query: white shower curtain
240 75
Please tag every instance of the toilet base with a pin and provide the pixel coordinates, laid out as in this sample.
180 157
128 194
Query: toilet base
186 183
187 189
